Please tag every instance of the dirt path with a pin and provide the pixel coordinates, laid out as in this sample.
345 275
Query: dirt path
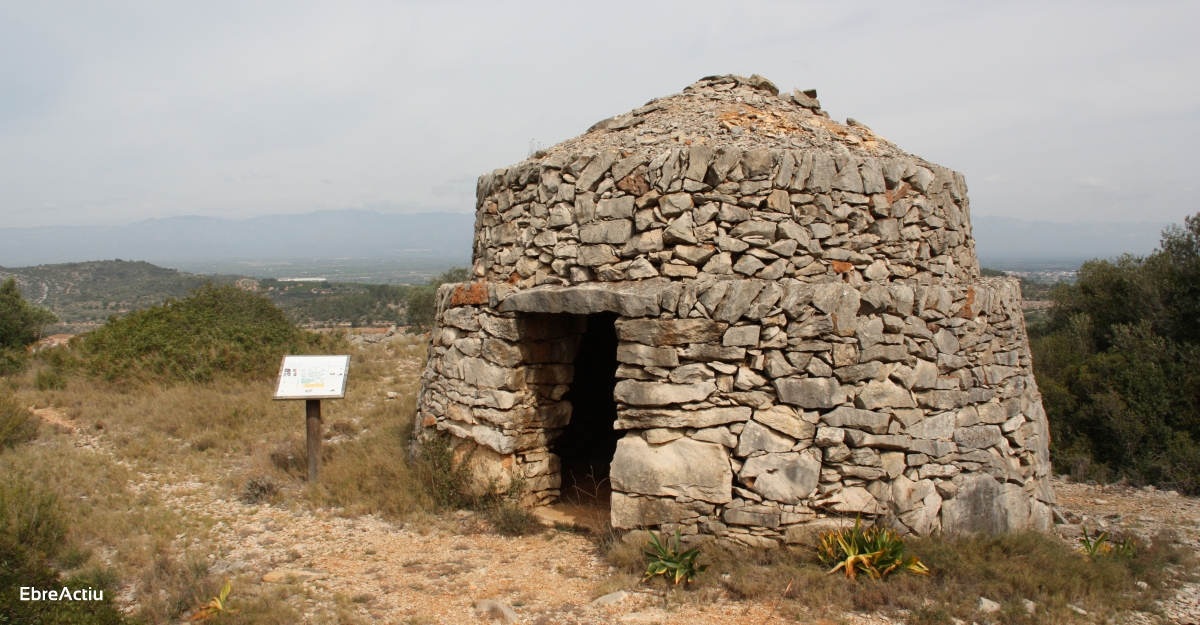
369 570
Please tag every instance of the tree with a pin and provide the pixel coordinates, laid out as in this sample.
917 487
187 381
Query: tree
21 323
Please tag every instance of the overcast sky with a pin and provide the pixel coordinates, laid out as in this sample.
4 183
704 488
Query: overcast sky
123 111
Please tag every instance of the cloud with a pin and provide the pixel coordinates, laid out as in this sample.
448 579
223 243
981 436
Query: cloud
319 105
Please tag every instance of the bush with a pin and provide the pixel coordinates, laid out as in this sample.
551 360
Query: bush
32 530
20 322
510 519
17 425
12 361
420 308
216 329
259 489
49 380
1119 366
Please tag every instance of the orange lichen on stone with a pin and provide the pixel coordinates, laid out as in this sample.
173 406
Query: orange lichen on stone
471 294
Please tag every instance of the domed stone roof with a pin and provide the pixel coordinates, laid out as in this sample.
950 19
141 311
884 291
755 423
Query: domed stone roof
724 166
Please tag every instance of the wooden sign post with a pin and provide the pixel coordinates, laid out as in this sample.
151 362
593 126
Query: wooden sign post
313 378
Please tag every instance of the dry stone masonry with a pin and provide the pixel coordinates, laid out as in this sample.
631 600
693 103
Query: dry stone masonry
802 332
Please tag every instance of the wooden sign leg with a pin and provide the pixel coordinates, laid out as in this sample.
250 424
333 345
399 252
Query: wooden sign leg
312 409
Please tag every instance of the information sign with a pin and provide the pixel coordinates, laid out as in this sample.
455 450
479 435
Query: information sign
312 377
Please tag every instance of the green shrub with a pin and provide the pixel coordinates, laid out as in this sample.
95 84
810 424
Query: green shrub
12 361
216 329
32 529
510 519
446 480
49 380
17 425
1118 366
21 323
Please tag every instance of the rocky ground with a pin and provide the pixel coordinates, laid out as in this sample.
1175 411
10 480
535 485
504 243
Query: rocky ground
331 568
1146 512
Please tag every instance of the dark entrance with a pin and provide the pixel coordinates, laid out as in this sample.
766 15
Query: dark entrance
587 444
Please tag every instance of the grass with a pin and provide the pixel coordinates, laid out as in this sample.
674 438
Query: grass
221 433
1004 568
17 425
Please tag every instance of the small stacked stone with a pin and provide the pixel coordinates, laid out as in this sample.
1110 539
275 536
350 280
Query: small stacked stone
803 330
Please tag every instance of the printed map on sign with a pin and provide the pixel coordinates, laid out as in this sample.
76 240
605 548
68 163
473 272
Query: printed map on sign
312 377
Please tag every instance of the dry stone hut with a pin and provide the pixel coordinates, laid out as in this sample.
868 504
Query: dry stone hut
725 312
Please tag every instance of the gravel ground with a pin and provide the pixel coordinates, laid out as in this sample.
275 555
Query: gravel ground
438 571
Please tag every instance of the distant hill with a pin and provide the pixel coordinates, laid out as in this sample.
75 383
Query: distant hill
86 294
423 238
385 247
1016 244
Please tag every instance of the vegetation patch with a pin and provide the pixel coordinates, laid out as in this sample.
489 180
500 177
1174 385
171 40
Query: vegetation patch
1118 365
17 424
32 541
1008 569
217 329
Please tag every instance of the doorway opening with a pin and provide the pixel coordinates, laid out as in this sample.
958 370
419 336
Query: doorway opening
588 442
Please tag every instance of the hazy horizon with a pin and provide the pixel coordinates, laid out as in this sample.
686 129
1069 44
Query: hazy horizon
119 113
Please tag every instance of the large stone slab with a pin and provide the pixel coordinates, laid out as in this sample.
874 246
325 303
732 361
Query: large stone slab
669 331
637 419
886 394
786 420
683 467
632 512
847 417
784 477
940 427
638 393
978 436
633 299
810 392
841 302
983 505
645 355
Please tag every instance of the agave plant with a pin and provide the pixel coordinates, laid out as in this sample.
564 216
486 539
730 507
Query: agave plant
219 605
670 562
1100 544
874 551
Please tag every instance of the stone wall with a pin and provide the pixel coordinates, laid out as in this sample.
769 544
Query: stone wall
796 400
803 331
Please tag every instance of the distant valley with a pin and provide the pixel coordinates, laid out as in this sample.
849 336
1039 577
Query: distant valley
388 248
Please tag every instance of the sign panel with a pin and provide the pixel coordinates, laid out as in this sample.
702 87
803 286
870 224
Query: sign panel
312 377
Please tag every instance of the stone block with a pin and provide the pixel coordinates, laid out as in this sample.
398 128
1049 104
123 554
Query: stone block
647 356
756 437
810 392
742 336
885 394
785 478
639 393
635 419
683 467
847 417
978 437
669 331
785 419
632 512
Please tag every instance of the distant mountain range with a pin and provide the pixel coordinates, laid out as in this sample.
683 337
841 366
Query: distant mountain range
182 241
430 239
1015 244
